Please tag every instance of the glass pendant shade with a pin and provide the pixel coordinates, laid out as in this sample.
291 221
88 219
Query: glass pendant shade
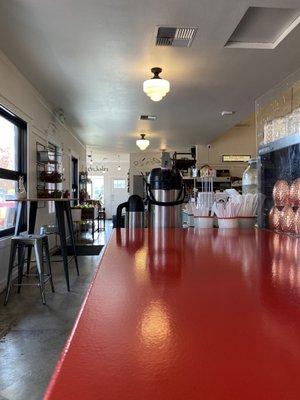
142 143
156 88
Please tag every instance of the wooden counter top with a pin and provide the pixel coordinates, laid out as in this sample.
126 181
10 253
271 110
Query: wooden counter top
186 314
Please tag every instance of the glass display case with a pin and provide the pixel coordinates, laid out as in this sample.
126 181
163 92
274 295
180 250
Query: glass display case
278 148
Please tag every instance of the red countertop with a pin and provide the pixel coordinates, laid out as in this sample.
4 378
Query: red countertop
184 314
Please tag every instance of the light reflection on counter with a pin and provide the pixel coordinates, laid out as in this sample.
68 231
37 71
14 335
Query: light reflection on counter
156 351
140 265
155 325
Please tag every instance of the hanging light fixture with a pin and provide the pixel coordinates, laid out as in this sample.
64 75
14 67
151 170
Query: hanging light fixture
156 88
119 166
142 143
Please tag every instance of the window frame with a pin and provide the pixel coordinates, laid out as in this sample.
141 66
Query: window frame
119 180
22 161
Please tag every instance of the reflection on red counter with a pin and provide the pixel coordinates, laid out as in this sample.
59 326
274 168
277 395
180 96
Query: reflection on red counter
188 314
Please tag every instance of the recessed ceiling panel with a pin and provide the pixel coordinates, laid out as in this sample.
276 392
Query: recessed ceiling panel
264 27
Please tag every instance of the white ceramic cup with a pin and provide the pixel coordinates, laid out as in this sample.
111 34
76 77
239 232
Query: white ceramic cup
225 223
203 222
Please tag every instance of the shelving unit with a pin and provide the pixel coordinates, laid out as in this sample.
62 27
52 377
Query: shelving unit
218 179
48 171
83 180
220 182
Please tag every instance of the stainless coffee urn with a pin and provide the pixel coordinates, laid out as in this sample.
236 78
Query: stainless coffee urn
165 195
135 211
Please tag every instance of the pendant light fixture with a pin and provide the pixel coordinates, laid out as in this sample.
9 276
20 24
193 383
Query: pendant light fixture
142 143
119 166
156 88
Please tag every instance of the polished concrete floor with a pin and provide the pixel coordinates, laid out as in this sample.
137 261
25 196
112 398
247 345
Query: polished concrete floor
32 335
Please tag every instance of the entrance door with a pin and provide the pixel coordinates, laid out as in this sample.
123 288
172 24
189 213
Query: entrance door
74 179
118 195
96 188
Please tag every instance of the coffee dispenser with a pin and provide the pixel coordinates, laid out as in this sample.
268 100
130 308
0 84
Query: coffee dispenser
165 195
135 211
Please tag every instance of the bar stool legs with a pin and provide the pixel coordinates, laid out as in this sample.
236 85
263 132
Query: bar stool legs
40 268
12 257
28 259
40 245
21 259
47 256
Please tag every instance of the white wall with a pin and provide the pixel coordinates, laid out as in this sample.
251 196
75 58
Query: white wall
20 97
238 141
142 162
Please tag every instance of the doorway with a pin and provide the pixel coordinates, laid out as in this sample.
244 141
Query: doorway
119 194
96 188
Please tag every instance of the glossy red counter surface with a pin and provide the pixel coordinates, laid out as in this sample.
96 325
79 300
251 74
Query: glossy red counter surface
184 314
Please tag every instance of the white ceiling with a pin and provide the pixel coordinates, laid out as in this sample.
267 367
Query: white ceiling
90 58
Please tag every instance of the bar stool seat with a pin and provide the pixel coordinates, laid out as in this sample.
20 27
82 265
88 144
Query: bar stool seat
40 245
50 229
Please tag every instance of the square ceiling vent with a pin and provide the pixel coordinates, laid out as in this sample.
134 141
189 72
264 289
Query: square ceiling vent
174 37
264 27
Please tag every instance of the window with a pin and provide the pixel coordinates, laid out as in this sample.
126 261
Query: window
119 183
12 166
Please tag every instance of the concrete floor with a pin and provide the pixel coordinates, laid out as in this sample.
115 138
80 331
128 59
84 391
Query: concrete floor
32 335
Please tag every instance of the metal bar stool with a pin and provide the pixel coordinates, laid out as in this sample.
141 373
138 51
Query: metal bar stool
52 229
40 245
44 230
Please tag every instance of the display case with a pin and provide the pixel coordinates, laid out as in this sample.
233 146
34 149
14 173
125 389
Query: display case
278 148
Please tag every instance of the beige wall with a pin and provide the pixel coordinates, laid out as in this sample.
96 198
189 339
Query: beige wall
142 161
238 140
21 98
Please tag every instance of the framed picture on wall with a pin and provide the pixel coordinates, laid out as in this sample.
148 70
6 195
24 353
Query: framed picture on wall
235 158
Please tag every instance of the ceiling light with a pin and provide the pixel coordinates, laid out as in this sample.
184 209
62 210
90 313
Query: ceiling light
142 143
119 166
156 88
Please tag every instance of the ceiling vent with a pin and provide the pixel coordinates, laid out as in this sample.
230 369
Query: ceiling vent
264 27
148 117
174 37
